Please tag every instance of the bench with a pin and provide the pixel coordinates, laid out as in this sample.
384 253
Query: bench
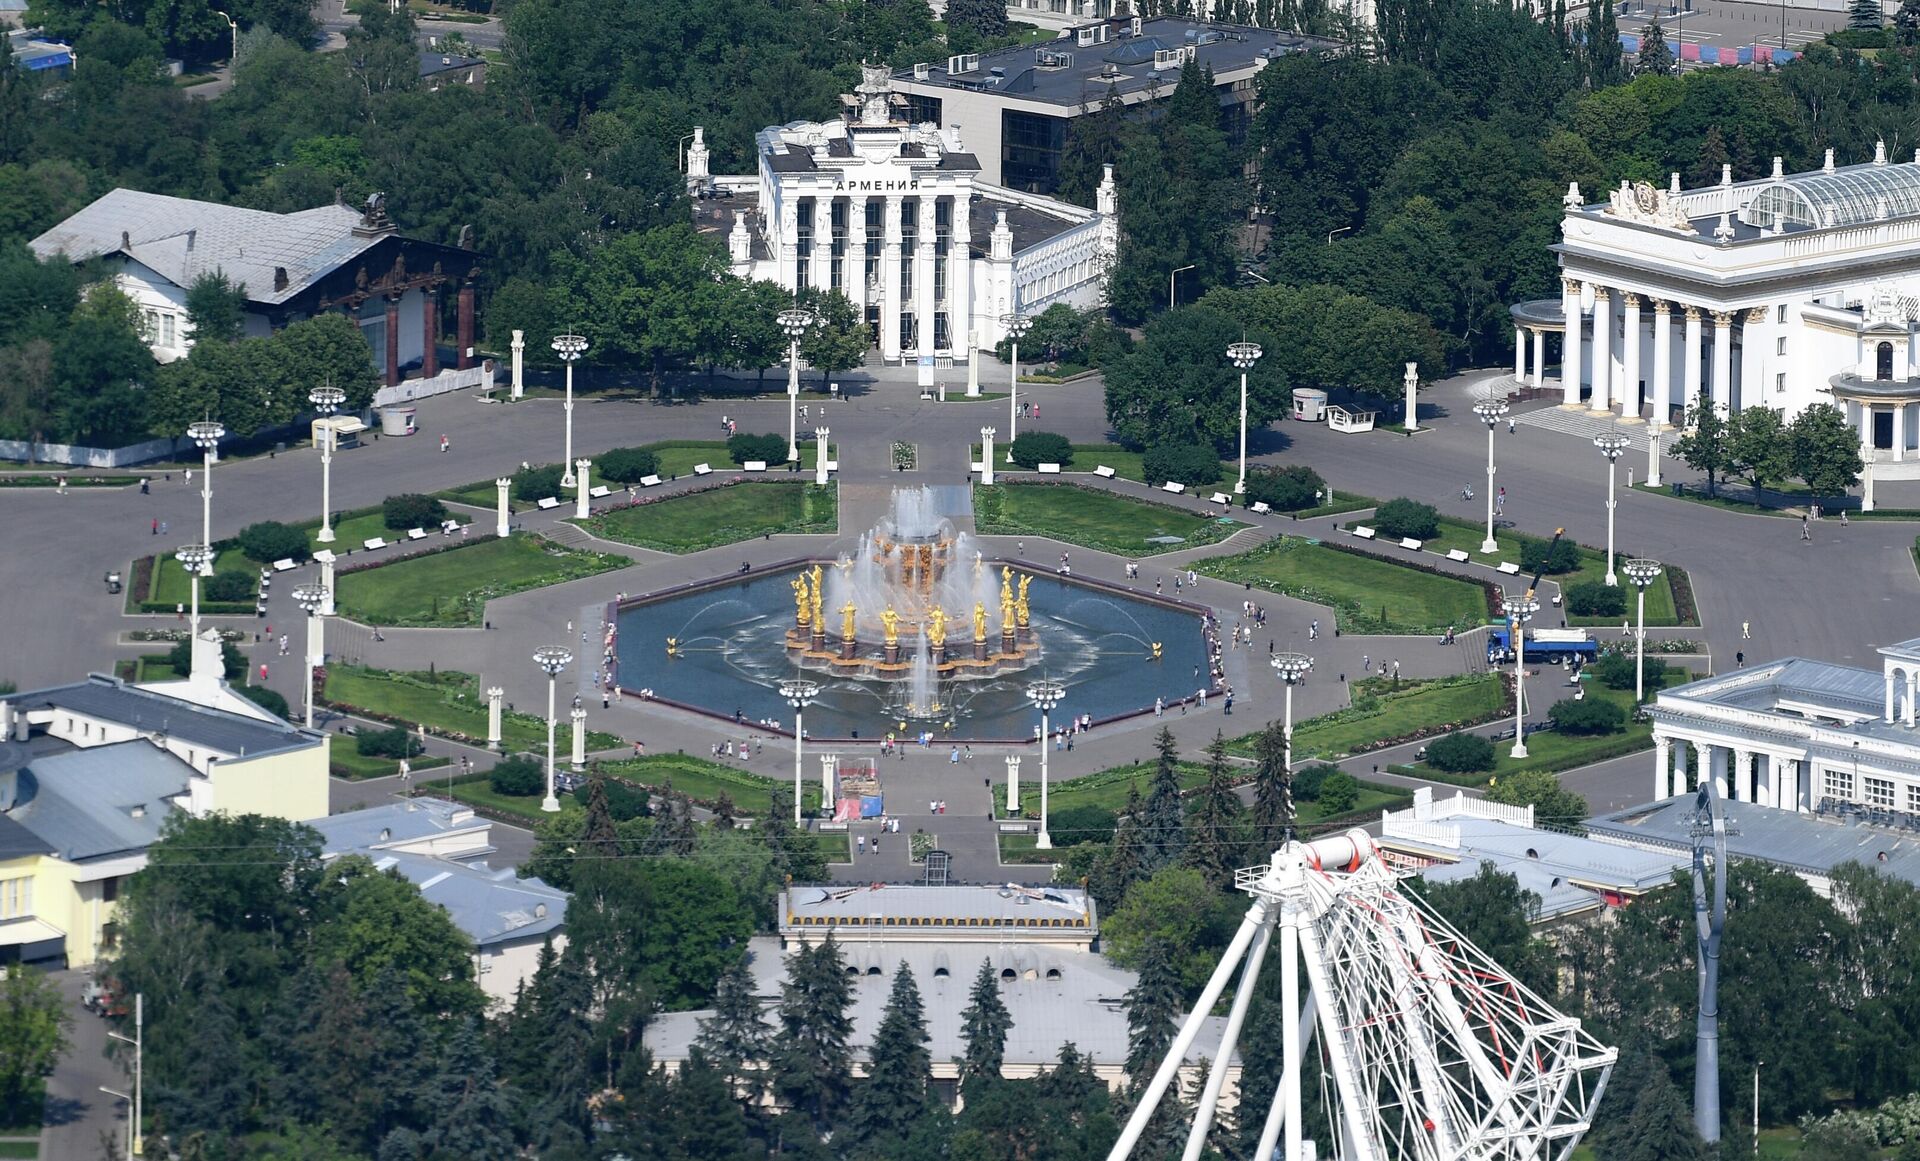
1261 507
1049 469
284 564
649 481
1221 498
977 466
1410 544
1362 531
374 545
323 555
599 491
449 526
1508 567
1170 486
416 534
549 502
836 827
1015 828
749 466
1104 472
1458 555
703 469
833 465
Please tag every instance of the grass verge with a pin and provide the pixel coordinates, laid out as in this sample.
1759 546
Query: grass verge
723 515
1093 519
1661 607
343 761
451 587
1371 594
1382 715
1111 794
157 584
699 779
448 703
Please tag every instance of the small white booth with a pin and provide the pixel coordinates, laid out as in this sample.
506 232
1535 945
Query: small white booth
345 430
1342 419
1309 404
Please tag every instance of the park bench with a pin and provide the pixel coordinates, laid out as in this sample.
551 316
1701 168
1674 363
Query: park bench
549 502
1261 507
284 564
323 555
416 534
1170 486
751 466
598 491
1221 498
1410 544
1508 567
1458 555
1362 531
449 527
374 544
699 470
1049 469
649 481
1015 828
1104 472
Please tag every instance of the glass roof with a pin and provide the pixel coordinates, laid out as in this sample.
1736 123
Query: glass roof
1851 195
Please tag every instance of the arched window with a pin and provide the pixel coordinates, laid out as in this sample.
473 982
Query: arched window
1883 362
1007 975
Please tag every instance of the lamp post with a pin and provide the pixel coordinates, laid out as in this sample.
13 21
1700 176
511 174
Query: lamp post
800 693
1642 573
192 558
1491 409
794 323
313 599
1519 612
1177 272
136 1143
552 659
1017 325
1611 444
326 401
206 434
1045 695
1292 668
569 347
1244 355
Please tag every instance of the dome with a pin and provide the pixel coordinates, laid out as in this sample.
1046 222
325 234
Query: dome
1854 195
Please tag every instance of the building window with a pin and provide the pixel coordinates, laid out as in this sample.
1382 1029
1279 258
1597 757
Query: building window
922 110
1031 145
110 889
1878 791
1840 785
1781 316
1883 362
166 329
1913 798
1780 345
16 898
1780 383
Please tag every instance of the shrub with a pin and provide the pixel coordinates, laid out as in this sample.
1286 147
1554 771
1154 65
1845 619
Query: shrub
411 510
1287 489
1596 599
1405 519
1615 671
228 586
517 777
1549 556
1308 781
1183 463
267 699
1033 448
398 742
1460 753
270 540
232 662
1339 793
628 465
531 485
1081 824
746 447
623 801
1586 716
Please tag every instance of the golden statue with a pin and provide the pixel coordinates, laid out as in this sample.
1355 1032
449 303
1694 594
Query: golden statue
937 627
819 590
1006 585
673 647
979 621
799 584
1020 605
1156 650
846 621
1006 610
891 620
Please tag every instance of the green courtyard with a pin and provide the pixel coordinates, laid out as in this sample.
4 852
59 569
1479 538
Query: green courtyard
1661 609
1093 519
723 515
1382 713
170 586
1372 595
452 588
448 703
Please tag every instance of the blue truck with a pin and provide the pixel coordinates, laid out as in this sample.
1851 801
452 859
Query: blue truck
1555 646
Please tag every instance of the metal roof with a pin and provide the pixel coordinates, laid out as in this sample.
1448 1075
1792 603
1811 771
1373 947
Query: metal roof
394 824
17 841
1849 195
961 906
103 800
1785 838
490 906
113 700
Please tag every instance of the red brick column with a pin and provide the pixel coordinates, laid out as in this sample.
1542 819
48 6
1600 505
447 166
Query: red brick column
466 326
429 332
393 341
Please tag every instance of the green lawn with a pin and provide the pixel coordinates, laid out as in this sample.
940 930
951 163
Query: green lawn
1093 519
1107 790
481 495
343 761
479 792
1128 465
704 780
453 587
171 586
38 481
448 703
1548 750
721 516
1593 567
1781 1144
1373 595
26 1150
354 530
1381 712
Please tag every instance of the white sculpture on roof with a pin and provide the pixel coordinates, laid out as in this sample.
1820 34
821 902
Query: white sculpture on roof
1648 205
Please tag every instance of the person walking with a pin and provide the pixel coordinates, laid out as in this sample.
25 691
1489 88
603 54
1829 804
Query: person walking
156 525
1806 527
1746 630
443 443
1313 631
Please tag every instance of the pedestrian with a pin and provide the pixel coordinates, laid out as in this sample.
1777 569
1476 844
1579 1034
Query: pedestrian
443 443
1313 631
263 671
156 525
179 612
1510 427
1740 659
953 756
144 489
1157 582
861 844
163 528
283 644
1365 660
1806 529
1159 707
1193 578
189 475
1843 517
1626 628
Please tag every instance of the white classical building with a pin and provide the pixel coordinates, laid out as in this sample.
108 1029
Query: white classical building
1784 292
1798 735
895 216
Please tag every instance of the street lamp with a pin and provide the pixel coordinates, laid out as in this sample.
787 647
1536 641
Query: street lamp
1177 272
800 693
1045 695
1292 669
313 599
1519 612
326 401
1611 444
136 1142
569 347
1244 356
1017 324
553 659
206 434
1642 573
794 323
193 557
1491 409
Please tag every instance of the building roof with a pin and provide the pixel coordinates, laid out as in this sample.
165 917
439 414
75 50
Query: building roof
32 53
1809 843
491 906
17 841
181 239
434 63
113 700
1030 224
103 800
1078 68
395 824
1850 194
803 907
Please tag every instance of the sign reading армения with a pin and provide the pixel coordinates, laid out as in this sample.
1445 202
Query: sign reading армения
876 185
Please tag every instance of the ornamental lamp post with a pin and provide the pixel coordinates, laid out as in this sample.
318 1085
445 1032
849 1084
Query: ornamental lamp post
1519 612
552 659
569 347
800 693
326 401
1244 355
192 558
313 599
206 434
1642 573
1491 409
1611 444
1045 695
1017 325
1292 668
794 323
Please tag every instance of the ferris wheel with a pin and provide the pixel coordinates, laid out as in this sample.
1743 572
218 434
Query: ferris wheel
1429 1050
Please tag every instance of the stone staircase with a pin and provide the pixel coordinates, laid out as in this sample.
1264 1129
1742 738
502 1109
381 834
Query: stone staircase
568 535
1586 425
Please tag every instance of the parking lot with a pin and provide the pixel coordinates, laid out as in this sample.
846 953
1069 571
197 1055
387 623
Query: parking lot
1725 25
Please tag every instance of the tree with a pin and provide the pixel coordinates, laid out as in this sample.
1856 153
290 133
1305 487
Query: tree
1460 753
377 920
1660 1125
380 53
1214 845
628 465
1123 864
468 1114
1273 808
893 1097
1760 446
1177 388
1865 14
1655 59
1588 715
1596 599
270 540
984 1024
736 1038
1162 821
1178 908
1497 916
811 1060
411 510
1193 464
986 18
839 340
517 777
216 308
1153 1005
1541 790
33 1037
1619 670
654 297
658 927
1339 793
1707 447
1601 49
1030 449
1403 518
1907 23
1825 450
1288 488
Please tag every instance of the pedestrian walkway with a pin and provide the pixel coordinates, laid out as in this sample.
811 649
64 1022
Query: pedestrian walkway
1587 425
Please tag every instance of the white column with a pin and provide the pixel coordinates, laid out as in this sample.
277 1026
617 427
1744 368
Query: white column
316 643
494 697
789 242
1411 382
1763 780
1703 762
820 460
986 456
1678 782
1520 354
580 469
1740 777
828 791
1662 766
1539 376
502 515
1690 359
1753 357
1662 363
890 278
519 351
579 738
1013 783
1602 399
1722 761
853 276
326 582
960 278
923 289
1723 358
1630 401
1571 344
1899 431
820 269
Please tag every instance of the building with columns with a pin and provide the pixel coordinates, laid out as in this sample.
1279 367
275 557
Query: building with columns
1783 292
894 215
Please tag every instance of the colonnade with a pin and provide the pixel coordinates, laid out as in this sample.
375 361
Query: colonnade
919 249
1744 774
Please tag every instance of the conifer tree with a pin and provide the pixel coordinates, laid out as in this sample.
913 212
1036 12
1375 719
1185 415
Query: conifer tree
984 1024
1655 58
602 839
1153 1004
1273 811
468 1114
703 1121
735 1038
1214 845
1162 836
1122 865
893 1096
811 1060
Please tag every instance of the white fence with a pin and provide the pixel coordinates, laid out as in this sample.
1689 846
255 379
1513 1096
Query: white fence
67 455
445 381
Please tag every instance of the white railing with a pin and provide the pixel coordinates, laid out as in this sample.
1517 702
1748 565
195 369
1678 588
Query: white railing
73 456
445 381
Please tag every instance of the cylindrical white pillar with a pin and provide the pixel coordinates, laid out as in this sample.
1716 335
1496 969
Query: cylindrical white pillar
579 759
793 399
1045 841
828 792
503 516
986 456
973 364
1602 398
1411 381
1013 780
1520 354
1723 359
1538 375
519 351
495 696
325 535
582 468
820 460
326 582
1572 352
566 458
